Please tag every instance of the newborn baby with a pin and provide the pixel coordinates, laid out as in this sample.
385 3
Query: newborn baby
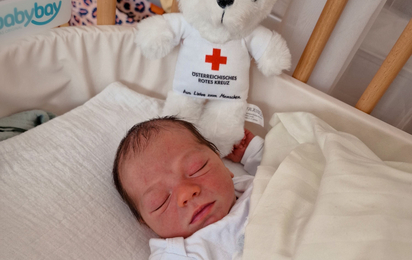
174 181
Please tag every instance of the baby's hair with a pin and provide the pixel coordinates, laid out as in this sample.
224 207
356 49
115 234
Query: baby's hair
137 139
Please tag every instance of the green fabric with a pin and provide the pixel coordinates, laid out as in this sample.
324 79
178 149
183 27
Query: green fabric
18 123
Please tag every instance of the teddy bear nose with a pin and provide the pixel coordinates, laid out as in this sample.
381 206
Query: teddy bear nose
224 3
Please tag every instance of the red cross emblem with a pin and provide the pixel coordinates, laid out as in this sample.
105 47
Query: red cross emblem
216 59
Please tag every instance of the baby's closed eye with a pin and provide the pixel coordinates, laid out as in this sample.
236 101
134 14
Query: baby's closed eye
162 203
199 169
156 200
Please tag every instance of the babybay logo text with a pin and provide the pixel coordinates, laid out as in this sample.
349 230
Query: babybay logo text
34 15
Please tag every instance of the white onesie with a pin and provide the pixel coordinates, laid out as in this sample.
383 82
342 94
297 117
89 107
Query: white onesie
214 71
223 239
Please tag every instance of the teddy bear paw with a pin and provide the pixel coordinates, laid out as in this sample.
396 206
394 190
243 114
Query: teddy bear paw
276 58
154 37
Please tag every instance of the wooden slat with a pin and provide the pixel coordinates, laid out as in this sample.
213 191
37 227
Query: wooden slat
388 71
175 7
317 41
106 12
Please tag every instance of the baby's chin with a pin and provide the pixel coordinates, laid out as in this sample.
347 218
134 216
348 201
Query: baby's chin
189 231
209 222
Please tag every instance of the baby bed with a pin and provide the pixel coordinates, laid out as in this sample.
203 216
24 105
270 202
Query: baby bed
73 212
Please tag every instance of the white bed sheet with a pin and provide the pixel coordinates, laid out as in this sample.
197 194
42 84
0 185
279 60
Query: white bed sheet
323 194
57 199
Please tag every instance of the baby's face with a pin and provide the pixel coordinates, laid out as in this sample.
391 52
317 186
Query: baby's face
178 185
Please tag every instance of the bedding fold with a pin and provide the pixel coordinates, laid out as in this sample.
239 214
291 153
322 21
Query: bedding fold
323 194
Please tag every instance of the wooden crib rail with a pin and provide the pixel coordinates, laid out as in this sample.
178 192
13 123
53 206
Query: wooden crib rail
175 6
106 12
317 41
390 68
388 71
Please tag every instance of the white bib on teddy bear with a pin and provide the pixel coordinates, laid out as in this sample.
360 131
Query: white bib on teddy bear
214 71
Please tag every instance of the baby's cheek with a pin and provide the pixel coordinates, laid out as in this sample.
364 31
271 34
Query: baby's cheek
219 184
168 225
224 188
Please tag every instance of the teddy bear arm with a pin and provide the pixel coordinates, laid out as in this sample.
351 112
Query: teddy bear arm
222 123
155 37
276 57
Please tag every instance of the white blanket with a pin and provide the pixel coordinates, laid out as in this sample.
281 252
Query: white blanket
322 194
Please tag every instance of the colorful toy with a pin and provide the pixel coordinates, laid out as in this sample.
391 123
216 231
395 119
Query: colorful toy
128 12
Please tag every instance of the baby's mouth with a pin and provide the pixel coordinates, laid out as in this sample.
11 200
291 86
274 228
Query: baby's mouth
201 212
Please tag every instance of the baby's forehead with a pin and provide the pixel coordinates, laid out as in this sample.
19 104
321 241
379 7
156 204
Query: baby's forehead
165 147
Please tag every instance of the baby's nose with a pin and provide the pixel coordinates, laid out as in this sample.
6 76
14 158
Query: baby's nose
224 3
187 192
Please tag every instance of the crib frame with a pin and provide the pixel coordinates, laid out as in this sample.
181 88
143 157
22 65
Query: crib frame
297 96
81 61
388 71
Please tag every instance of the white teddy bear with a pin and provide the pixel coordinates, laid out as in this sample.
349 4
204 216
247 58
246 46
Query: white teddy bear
217 38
